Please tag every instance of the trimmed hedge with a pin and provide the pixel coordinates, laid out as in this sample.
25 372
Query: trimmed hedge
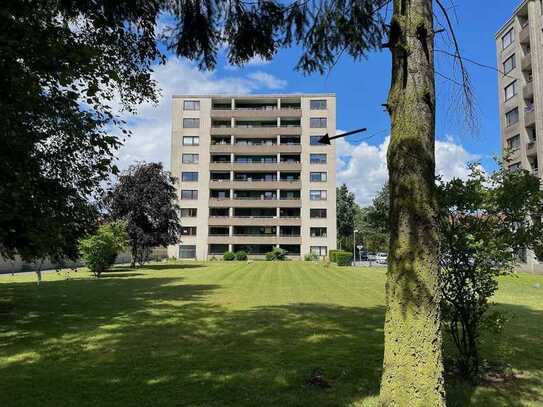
335 253
241 255
332 255
344 259
229 256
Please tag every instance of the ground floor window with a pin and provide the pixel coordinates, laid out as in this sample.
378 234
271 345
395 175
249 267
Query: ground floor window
187 252
319 250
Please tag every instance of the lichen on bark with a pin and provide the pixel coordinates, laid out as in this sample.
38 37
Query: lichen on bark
413 370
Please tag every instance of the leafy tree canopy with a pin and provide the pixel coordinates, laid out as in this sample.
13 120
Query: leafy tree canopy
485 221
144 197
345 213
65 66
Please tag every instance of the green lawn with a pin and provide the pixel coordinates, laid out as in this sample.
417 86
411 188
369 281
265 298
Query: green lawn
231 334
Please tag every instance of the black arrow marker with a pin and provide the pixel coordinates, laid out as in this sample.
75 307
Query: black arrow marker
326 139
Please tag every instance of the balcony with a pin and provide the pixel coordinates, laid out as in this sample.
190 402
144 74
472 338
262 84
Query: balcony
526 62
255 112
251 131
529 117
531 148
524 35
253 220
253 203
226 166
256 185
256 149
528 91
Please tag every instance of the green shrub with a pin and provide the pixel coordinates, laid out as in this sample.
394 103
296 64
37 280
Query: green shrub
100 250
241 255
277 254
332 255
311 257
335 253
229 256
344 259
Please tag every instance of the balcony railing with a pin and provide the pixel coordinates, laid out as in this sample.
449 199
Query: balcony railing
255 198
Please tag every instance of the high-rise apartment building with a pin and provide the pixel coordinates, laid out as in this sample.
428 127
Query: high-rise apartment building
251 174
519 44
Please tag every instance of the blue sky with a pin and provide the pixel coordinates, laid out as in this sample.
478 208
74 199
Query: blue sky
361 87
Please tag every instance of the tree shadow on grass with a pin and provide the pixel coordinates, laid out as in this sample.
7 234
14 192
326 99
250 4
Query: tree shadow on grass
519 346
172 266
122 274
159 342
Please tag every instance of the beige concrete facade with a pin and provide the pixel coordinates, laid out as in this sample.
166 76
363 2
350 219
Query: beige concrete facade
519 48
254 173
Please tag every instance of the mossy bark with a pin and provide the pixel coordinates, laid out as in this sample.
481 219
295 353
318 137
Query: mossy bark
413 369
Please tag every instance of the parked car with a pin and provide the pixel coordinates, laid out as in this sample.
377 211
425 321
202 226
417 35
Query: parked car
363 256
381 258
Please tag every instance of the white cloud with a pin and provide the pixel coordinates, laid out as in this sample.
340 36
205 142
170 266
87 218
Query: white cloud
267 80
363 167
150 140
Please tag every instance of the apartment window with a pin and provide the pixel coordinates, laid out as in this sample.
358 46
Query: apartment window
317 195
191 105
514 167
187 252
188 231
510 90
317 122
508 38
319 104
513 143
188 212
511 117
317 158
191 141
190 158
189 176
315 140
318 250
189 194
191 123
317 213
317 232
509 64
317 177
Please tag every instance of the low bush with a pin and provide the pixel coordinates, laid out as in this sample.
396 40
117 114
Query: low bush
311 257
100 250
277 254
332 255
241 255
335 254
344 259
229 256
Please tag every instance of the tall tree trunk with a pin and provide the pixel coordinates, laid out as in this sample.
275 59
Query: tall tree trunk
413 369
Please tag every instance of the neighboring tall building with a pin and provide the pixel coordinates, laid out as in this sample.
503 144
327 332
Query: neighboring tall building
252 175
520 59
519 45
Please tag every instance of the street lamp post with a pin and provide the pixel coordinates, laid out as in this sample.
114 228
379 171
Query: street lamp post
355 231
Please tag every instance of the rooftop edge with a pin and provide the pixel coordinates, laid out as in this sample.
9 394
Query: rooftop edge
514 14
257 95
